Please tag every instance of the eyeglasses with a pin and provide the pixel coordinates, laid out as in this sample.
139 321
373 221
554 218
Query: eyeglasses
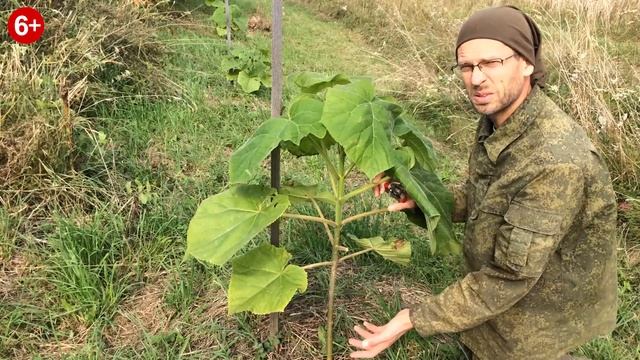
484 66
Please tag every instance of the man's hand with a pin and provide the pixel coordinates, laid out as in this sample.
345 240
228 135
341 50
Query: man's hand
376 339
382 188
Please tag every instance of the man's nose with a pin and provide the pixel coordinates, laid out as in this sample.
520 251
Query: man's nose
477 76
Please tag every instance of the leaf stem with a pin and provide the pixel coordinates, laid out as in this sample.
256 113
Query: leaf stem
365 214
335 256
327 263
341 159
309 218
333 174
351 167
365 188
326 226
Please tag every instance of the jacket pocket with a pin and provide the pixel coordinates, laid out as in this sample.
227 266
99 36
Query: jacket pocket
526 239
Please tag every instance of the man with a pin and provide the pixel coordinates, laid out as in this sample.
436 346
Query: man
540 242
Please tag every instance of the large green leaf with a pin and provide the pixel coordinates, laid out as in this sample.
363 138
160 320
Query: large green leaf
266 79
436 204
249 66
219 18
362 124
310 82
443 201
214 3
247 82
242 53
257 68
225 222
231 63
299 134
405 157
303 193
413 138
246 160
262 282
240 20
391 104
306 111
418 193
302 126
398 251
308 145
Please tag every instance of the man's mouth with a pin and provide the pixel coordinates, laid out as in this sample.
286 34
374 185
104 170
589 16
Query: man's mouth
481 98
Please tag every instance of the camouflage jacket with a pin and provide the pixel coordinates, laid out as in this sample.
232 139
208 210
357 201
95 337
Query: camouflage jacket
540 241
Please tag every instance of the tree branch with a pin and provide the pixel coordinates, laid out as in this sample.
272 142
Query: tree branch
365 187
333 174
326 226
365 214
309 218
328 263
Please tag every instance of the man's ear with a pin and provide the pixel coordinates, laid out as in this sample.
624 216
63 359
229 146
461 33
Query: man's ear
528 70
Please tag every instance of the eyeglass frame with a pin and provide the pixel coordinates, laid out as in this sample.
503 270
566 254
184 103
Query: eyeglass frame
480 64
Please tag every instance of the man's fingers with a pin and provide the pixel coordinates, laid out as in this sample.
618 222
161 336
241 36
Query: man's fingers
372 328
362 332
384 335
366 354
369 354
373 343
379 189
376 190
409 204
356 343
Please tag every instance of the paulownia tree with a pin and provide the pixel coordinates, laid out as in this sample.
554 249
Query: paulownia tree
350 128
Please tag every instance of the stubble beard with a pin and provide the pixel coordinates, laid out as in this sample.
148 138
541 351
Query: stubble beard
511 95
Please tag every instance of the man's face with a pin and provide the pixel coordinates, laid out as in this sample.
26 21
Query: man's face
496 89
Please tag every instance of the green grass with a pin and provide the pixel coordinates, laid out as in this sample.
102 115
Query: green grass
99 279
85 266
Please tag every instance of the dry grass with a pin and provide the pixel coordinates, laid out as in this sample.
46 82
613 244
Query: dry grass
629 225
590 49
11 271
142 313
61 348
605 14
601 90
92 53
306 314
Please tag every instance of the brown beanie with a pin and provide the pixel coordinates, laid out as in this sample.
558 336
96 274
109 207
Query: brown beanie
512 27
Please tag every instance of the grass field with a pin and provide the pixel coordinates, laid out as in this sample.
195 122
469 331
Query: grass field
102 274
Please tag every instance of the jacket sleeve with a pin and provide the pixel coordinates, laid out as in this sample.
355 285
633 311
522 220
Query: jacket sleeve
459 202
537 218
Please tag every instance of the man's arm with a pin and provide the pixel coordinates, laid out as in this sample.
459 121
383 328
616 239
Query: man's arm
459 192
536 220
538 217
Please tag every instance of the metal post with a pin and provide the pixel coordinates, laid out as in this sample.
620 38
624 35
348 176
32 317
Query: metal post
276 110
227 12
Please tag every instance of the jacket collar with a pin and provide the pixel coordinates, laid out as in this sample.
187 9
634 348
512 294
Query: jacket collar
496 140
